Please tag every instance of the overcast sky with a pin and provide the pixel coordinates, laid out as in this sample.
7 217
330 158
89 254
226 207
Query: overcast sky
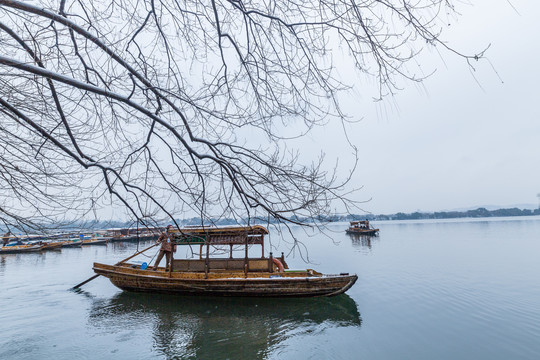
458 142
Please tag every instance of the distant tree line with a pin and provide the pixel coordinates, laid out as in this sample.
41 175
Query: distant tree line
478 213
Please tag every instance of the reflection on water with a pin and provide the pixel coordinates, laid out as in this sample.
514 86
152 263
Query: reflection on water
33 258
212 327
364 241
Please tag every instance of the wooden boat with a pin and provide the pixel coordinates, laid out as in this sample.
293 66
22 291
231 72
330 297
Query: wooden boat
264 276
362 228
15 249
72 243
133 234
94 242
51 246
134 238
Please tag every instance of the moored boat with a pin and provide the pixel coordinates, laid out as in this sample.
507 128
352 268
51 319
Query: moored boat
72 243
361 228
51 246
94 241
264 276
15 249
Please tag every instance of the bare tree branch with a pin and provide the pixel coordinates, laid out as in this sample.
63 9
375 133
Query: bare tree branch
169 108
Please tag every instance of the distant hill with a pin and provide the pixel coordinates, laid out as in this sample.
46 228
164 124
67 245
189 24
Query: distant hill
497 207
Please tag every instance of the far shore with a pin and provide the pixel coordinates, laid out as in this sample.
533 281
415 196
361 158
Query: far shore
479 213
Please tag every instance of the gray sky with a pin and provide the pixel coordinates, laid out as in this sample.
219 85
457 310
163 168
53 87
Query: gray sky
458 142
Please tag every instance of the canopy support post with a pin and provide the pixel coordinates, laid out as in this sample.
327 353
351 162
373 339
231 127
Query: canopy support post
246 264
206 263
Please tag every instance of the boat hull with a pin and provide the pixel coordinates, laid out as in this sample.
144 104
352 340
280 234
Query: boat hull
94 242
72 243
225 284
52 246
370 232
17 249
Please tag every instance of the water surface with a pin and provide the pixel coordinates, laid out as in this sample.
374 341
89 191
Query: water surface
466 289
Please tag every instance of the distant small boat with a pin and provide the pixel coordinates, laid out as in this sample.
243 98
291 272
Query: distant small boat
361 228
94 242
15 249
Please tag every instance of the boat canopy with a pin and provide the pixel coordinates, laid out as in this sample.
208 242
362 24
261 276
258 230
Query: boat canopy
231 235
361 222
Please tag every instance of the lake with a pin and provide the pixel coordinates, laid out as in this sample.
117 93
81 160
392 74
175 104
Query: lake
447 289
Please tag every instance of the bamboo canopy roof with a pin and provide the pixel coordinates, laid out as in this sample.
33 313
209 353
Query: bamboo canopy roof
229 235
359 222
